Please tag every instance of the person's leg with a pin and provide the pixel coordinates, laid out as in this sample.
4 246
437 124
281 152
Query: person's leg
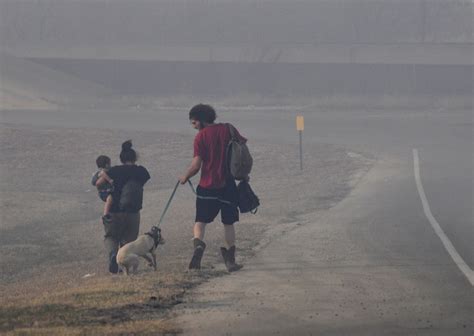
112 240
131 227
229 235
111 248
199 230
228 254
107 198
206 211
199 247
229 213
108 204
229 216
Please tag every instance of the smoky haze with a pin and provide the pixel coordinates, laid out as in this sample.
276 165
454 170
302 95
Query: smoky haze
260 23
366 219
263 47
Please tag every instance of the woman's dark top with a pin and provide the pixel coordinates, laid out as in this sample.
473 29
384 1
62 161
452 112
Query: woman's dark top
121 175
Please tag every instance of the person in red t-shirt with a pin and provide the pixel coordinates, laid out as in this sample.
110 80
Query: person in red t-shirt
217 191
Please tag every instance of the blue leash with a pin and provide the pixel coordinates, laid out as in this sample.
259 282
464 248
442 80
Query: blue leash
168 204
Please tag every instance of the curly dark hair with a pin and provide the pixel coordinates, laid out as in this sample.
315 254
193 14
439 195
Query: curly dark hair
102 161
203 113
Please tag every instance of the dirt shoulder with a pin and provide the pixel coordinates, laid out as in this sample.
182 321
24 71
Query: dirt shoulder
54 279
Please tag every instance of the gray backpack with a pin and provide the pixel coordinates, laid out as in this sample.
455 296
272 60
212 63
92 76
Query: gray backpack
239 160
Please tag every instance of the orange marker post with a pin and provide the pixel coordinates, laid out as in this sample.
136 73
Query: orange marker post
300 128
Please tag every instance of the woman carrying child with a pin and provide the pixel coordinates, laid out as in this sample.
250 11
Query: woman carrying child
124 222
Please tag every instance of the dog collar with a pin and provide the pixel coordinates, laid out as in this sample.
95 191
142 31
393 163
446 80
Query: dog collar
156 242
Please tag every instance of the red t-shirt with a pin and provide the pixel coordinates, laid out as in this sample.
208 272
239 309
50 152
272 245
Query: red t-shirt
211 144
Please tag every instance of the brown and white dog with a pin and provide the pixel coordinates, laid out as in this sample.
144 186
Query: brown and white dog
128 256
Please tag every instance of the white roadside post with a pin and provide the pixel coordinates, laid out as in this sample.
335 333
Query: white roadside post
300 128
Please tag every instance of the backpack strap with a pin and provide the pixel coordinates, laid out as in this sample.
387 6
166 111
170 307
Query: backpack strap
232 130
233 134
236 139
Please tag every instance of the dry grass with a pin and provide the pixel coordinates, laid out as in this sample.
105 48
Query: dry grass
116 305
47 250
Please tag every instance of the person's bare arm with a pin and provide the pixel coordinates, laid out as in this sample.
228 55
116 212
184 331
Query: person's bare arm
192 170
103 178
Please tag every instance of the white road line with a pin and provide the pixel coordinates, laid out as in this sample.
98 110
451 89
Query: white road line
458 260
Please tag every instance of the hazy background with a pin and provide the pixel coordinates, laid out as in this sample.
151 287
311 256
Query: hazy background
373 79
225 48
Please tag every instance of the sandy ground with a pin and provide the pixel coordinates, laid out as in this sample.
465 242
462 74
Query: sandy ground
50 233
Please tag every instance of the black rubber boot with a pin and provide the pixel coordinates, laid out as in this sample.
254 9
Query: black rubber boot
113 266
199 247
229 259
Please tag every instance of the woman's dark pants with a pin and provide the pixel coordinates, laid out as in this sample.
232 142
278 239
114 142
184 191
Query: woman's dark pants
122 229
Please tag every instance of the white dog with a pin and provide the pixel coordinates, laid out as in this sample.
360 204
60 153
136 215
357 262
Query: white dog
128 256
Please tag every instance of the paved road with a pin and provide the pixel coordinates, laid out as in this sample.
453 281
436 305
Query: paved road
443 138
371 265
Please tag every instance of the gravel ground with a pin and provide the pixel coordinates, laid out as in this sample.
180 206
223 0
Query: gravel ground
50 232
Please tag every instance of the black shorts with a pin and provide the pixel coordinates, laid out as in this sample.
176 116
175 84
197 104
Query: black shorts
207 209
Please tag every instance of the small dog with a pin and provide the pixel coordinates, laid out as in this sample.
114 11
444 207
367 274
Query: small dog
128 256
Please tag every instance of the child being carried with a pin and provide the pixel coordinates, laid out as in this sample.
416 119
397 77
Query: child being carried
105 189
